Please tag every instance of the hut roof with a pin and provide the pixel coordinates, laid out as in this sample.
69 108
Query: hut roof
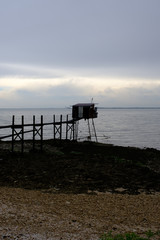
83 104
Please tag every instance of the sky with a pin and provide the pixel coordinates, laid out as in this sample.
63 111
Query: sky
55 53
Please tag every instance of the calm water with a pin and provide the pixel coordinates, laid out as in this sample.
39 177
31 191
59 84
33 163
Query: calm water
124 127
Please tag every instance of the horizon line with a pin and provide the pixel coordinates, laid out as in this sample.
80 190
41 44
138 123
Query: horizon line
99 107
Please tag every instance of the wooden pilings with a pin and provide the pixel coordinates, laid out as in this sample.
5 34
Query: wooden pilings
70 128
57 128
62 129
37 130
18 133
13 117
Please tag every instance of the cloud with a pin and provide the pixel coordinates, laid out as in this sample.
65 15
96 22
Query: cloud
85 34
67 91
142 95
127 73
18 70
64 51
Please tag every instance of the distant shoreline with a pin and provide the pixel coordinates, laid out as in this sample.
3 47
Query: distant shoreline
128 107
28 108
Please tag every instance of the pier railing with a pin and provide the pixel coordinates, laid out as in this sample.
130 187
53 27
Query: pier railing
36 130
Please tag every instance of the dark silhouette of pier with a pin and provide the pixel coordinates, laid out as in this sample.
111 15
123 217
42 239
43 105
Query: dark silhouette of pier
79 111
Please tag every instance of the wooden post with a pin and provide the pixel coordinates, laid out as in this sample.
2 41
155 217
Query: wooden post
22 132
73 131
60 127
89 130
76 130
54 130
13 118
94 130
33 132
67 127
41 132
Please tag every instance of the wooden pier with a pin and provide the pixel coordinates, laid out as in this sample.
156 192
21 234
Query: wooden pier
36 129
18 131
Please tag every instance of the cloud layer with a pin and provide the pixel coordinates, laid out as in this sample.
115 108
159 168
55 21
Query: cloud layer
57 52
39 89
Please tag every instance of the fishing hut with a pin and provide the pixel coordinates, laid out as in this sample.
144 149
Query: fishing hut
86 111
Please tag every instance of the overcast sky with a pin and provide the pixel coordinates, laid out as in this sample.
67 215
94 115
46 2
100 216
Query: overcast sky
55 53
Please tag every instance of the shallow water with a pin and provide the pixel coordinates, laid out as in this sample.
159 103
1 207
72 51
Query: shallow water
124 127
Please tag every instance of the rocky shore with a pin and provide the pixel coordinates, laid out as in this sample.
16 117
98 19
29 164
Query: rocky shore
81 167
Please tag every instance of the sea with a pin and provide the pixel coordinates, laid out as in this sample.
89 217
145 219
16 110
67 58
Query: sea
135 127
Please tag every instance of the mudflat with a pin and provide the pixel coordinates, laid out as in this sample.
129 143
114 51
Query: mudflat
79 167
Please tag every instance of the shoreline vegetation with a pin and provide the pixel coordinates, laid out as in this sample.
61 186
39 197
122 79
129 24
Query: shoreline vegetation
78 190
